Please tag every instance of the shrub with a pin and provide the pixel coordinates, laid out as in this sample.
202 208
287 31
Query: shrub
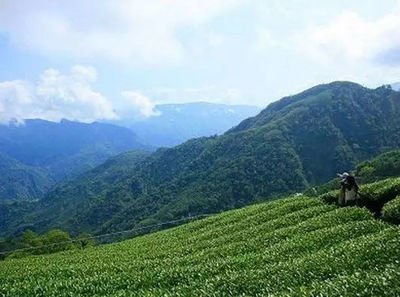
330 197
391 211
375 195
382 191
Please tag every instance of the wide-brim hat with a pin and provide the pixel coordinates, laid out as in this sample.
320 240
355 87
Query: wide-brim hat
344 175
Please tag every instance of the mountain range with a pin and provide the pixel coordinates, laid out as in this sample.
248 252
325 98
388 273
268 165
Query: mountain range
174 124
294 143
37 154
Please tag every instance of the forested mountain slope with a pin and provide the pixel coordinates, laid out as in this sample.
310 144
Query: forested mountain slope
296 142
90 185
66 148
37 154
21 182
381 167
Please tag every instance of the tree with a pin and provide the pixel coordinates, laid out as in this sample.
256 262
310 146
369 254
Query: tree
84 240
56 240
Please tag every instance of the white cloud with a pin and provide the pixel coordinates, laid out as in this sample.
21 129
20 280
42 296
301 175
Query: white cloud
351 38
72 97
143 32
136 104
69 96
207 94
56 96
15 100
264 39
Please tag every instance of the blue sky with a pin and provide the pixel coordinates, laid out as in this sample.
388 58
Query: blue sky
88 60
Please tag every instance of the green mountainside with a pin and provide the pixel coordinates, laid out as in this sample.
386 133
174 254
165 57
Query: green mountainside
290 247
66 148
297 142
383 166
55 152
18 215
22 182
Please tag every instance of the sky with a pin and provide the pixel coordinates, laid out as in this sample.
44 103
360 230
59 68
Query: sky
107 59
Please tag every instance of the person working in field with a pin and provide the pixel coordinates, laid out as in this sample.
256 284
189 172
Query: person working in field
349 190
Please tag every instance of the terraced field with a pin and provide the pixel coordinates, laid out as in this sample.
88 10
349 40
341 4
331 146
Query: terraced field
292 247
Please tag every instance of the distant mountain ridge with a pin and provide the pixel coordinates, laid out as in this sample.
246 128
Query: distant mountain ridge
21 182
396 86
299 141
48 141
59 151
177 123
62 150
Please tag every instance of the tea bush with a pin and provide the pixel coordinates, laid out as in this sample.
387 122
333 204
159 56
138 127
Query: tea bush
391 211
297 246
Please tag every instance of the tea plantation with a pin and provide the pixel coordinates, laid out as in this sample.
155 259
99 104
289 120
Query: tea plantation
297 246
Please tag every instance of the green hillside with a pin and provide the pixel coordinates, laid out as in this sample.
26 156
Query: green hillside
67 148
93 185
37 154
291 247
17 215
381 167
296 142
21 182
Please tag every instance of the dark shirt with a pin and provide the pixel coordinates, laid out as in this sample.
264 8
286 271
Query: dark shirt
350 183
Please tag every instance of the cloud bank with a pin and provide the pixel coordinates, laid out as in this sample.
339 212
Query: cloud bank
137 105
210 93
143 32
230 51
349 37
69 96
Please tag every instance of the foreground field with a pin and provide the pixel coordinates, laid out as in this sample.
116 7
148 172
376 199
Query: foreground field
290 247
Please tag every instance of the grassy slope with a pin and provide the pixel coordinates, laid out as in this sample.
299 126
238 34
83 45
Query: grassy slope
290 247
